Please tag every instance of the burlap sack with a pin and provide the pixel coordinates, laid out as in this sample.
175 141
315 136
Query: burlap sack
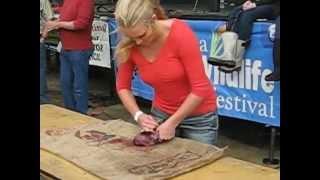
105 149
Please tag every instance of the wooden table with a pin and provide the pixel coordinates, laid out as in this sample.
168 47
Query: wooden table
226 168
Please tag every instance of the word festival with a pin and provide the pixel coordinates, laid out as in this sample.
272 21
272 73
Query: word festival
247 83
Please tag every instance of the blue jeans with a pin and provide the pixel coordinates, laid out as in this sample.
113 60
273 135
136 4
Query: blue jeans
246 19
74 65
203 128
43 81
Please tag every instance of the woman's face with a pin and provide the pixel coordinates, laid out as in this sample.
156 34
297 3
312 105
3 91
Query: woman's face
141 34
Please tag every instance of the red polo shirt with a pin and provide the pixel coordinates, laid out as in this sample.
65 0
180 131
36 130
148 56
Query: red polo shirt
81 12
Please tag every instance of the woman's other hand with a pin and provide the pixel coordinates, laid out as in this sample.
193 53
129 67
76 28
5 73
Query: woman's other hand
166 130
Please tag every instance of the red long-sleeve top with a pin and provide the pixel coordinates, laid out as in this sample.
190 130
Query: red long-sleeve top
176 72
81 12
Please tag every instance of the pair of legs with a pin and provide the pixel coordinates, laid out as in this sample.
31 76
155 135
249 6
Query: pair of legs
241 23
275 75
43 81
74 65
203 128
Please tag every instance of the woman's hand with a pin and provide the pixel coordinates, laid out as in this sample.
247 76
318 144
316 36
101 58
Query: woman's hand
147 122
166 130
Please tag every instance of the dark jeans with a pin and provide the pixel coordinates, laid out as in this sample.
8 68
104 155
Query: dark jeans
43 81
74 65
246 19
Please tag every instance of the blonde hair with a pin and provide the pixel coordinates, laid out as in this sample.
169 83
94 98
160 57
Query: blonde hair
129 13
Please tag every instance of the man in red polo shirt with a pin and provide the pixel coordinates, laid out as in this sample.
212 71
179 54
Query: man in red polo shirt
74 26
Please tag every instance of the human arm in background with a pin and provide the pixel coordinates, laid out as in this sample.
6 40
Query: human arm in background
82 21
45 32
47 13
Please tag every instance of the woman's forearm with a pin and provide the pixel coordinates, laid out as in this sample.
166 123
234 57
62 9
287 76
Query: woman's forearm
186 108
66 25
128 101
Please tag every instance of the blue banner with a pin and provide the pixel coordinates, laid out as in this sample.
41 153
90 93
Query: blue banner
244 94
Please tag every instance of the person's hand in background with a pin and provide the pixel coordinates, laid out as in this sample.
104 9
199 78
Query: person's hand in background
248 5
51 25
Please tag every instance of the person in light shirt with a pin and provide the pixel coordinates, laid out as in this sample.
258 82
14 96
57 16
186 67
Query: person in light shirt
46 14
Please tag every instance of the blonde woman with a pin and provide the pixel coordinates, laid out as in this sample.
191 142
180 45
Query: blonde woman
167 56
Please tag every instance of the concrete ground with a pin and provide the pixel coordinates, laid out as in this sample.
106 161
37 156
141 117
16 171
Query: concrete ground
246 140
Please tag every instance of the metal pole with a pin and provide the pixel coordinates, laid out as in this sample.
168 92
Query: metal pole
272 140
271 161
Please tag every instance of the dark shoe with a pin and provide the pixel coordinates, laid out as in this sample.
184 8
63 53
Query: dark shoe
273 77
219 62
229 70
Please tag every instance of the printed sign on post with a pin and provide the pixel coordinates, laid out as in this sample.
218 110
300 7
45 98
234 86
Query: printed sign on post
100 39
